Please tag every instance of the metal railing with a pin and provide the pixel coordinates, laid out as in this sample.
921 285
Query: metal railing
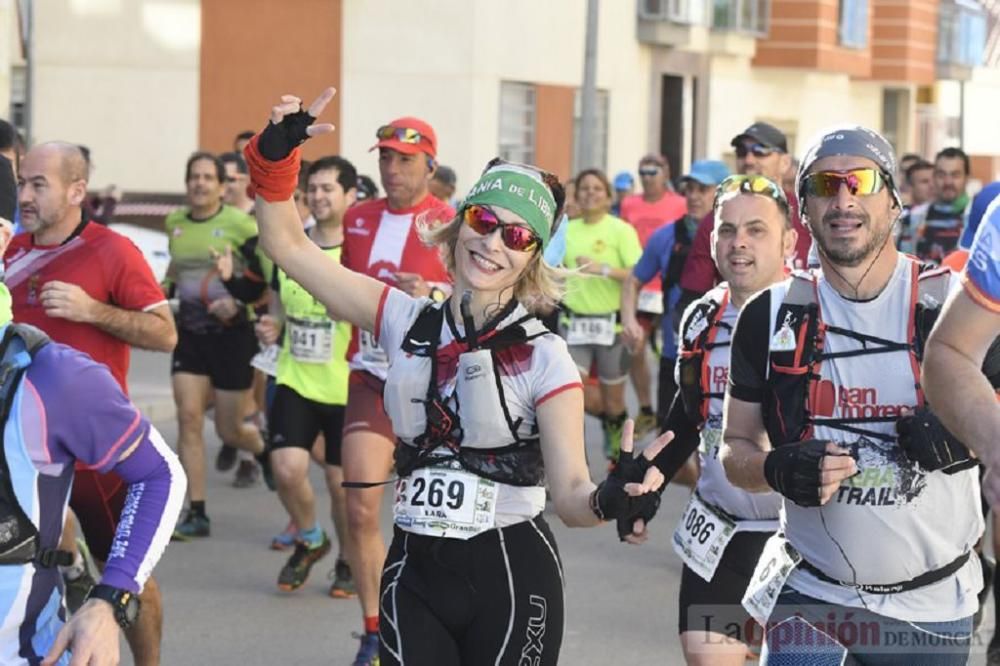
749 16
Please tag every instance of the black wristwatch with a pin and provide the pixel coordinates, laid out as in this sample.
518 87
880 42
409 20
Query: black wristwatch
125 603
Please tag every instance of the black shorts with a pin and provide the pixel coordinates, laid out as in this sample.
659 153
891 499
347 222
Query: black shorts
295 421
223 357
716 606
494 599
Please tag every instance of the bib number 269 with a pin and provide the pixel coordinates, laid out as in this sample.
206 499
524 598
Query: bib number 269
436 493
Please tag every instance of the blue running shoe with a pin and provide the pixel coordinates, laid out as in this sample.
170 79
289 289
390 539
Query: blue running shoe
368 652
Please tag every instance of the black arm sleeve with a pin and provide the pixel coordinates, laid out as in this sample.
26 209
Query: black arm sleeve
250 286
749 353
685 441
991 364
8 190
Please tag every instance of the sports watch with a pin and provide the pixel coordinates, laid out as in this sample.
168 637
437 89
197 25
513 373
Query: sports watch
124 603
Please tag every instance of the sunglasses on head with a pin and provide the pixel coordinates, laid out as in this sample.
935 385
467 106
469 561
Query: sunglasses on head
402 134
859 182
550 179
484 222
752 184
758 150
649 170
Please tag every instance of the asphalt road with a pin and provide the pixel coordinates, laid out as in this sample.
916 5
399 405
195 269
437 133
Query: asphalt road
222 605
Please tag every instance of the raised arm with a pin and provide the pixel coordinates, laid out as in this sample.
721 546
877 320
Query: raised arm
273 160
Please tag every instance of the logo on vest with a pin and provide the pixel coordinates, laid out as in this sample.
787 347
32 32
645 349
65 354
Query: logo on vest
885 476
783 339
698 324
473 372
851 403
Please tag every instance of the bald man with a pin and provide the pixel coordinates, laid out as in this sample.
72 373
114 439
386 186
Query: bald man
90 288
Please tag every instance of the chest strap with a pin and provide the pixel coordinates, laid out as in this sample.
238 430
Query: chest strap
923 580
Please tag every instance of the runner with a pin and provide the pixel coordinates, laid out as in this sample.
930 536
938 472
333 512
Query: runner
381 240
88 287
311 386
665 256
723 530
657 205
931 231
489 505
602 248
833 418
216 341
761 149
963 394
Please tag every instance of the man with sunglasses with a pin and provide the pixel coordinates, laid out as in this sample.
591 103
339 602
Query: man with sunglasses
381 240
761 149
880 508
657 205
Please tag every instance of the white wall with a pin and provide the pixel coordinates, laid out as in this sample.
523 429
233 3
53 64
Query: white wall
448 72
120 76
803 102
982 112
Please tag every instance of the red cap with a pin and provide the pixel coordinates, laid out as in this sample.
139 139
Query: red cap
427 143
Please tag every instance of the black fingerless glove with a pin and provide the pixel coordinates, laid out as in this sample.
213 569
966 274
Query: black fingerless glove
277 142
793 470
610 501
926 441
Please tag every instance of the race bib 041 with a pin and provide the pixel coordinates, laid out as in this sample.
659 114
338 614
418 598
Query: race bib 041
310 340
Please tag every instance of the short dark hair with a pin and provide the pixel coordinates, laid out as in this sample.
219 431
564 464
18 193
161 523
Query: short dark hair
234 158
953 153
919 165
8 136
245 135
911 157
596 173
347 175
220 168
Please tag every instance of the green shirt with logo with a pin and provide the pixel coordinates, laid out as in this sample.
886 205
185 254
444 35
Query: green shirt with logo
313 358
610 241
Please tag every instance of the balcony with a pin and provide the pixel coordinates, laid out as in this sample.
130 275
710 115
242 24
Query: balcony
962 30
726 26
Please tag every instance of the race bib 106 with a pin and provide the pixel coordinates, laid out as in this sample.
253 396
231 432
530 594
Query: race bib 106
596 330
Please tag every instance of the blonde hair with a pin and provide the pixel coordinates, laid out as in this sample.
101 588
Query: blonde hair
540 286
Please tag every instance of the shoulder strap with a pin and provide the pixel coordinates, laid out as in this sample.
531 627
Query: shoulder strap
425 333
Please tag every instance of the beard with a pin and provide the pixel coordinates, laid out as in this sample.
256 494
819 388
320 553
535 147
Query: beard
852 257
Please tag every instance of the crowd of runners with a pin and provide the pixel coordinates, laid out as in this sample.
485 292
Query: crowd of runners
825 331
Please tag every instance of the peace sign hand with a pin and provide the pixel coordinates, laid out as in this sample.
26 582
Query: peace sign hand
290 125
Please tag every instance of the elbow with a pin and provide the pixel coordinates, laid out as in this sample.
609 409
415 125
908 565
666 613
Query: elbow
167 340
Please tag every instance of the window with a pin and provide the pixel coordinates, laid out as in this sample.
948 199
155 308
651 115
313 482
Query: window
600 132
962 30
854 23
740 15
18 96
517 122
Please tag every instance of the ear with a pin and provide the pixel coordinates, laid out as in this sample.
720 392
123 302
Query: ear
785 163
351 196
791 237
77 192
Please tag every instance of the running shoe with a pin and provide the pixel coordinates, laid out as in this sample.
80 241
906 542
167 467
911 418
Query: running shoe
247 474
368 652
342 586
192 526
644 424
286 539
225 460
295 572
613 439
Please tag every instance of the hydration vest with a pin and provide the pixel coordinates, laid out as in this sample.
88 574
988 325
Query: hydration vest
697 342
486 442
793 382
19 539
678 257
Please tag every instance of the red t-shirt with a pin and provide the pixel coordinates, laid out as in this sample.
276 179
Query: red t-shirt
700 273
381 242
647 217
105 264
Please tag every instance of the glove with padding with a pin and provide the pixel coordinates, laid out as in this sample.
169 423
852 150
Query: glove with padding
610 501
277 141
793 470
926 441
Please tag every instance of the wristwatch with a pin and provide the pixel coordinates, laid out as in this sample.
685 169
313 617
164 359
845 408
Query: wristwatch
124 603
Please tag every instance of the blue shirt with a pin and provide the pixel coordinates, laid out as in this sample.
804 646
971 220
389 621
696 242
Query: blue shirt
654 263
982 273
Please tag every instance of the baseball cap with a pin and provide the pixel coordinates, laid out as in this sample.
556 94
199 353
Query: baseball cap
624 180
707 172
765 134
411 136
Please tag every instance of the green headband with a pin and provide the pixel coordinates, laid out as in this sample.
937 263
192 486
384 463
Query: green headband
520 192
